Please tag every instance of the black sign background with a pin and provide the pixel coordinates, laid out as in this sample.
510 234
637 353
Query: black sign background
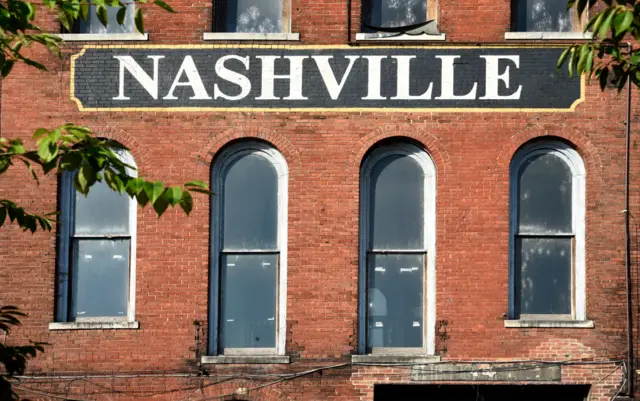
95 78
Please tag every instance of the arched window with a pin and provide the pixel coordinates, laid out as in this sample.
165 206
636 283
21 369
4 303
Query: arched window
96 253
397 250
547 233
249 258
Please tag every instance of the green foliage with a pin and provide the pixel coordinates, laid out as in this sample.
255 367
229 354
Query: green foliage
69 148
18 30
13 358
74 149
612 55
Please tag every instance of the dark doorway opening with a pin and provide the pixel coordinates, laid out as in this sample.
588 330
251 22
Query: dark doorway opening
483 392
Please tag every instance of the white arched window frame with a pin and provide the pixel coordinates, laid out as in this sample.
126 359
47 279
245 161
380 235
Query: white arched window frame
578 201
68 250
219 167
429 221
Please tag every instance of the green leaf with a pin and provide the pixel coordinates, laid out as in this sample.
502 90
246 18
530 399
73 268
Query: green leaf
135 186
101 11
161 204
139 21
603 29
3 215
174 195
65 19
164 6
6 68
40 132
635 58
563 57
121 14
196 183
142 198
186 203
84 10
80 183
44 149
622 22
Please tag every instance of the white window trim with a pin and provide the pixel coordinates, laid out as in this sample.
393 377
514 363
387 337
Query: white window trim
284 36
576 164
64 286
548 35
100 37
424 160
375 36
219 165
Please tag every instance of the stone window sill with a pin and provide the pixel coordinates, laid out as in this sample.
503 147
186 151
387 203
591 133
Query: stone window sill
250 36
399 38
547 35
246 359
397 359
553 324
101 37
97 325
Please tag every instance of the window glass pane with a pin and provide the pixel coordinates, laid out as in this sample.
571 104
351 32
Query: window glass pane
395 300
248 301
543 16
103 211
397 204
250 204
543 275
100 278
545 195
93 25
263 16
395 13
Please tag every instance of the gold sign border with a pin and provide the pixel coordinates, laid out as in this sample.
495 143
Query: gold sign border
572 108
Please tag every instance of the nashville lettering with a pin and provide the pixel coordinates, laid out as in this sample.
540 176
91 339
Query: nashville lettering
496 85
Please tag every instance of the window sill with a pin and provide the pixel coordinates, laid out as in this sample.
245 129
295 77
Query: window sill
250 36
101 37
246 360
395 359
547 35
94 325
553 324
370 37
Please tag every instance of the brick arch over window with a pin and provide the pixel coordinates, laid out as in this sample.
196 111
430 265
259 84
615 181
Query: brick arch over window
587 151
138 151
274 138
430 143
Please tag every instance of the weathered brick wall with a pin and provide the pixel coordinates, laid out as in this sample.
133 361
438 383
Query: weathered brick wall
323 150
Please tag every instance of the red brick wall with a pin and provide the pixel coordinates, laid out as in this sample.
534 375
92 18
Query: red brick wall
471 152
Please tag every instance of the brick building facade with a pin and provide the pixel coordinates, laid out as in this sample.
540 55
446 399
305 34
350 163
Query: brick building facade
327 340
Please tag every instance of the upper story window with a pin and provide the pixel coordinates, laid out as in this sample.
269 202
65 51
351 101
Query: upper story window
544 16
93 25
96 252
253 16
547 233
395 13
397 250
249 241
